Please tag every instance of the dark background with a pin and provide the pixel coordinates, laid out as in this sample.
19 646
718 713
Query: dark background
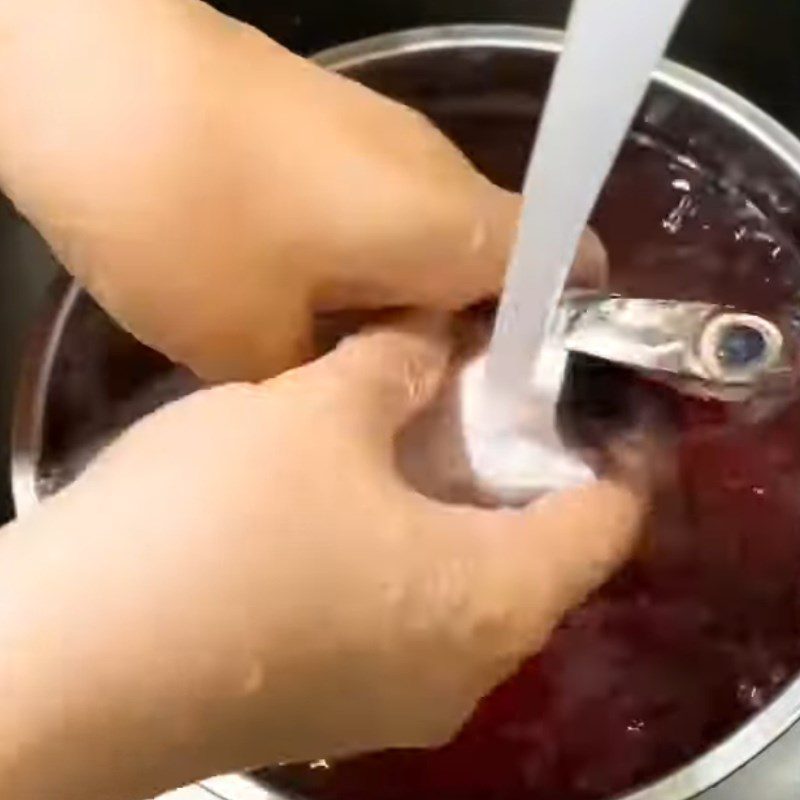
752 45
749 45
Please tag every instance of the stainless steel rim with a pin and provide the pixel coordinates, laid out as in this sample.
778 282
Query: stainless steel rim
754 736
29 406
685 81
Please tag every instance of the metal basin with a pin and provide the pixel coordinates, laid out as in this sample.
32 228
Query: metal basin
82 373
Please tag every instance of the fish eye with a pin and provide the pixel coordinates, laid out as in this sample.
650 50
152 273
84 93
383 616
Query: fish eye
736 348
740 346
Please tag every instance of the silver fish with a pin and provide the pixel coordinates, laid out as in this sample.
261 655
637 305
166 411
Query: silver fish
701 349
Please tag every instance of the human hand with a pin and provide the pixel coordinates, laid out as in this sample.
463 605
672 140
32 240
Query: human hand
244 578
212 190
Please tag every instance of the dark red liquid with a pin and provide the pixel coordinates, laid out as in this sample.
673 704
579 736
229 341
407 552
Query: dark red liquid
703 628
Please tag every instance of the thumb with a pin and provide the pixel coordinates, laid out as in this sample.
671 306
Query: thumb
391 372
579 538
531 567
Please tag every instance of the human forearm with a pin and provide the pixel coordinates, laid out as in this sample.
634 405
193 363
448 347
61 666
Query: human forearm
99 699
121 678
112 127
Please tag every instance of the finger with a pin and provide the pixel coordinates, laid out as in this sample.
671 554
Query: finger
495 231
390 373
590 268
580 537
237 341
524 570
